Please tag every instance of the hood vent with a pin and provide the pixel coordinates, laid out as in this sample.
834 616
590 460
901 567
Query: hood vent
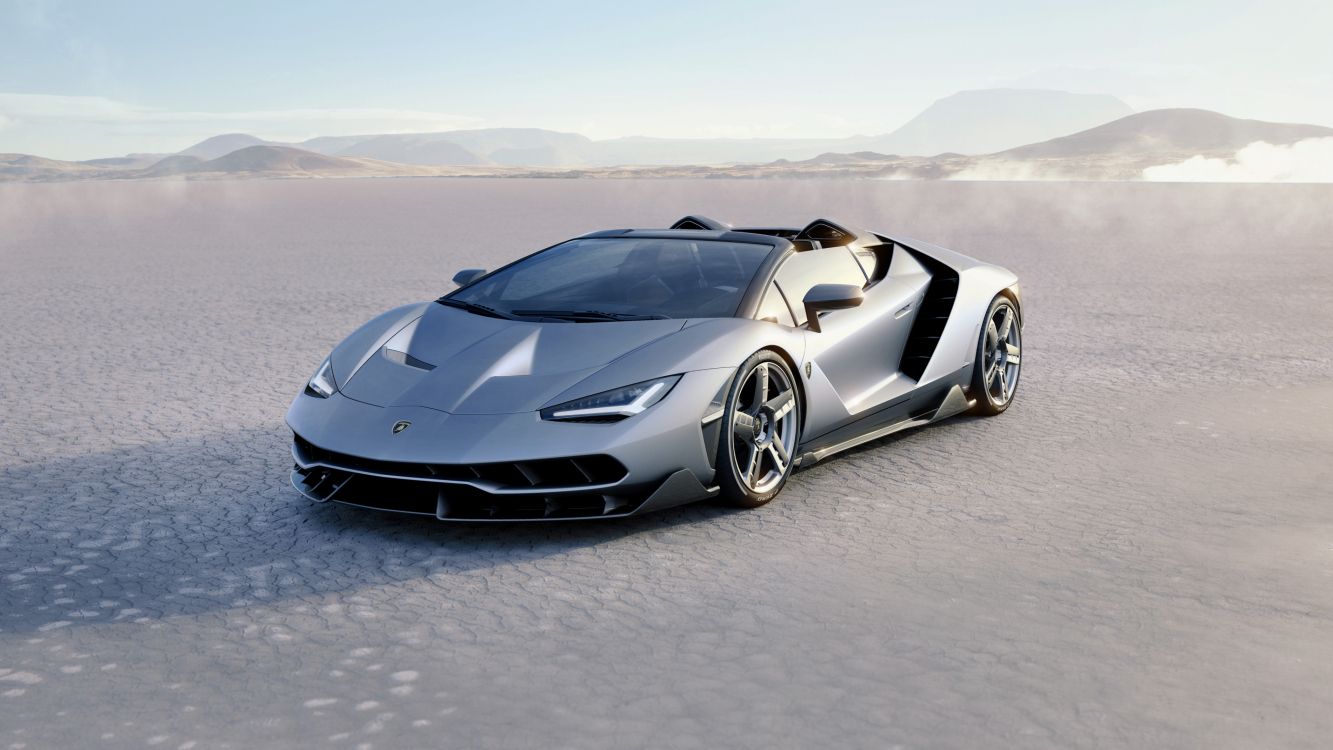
403 358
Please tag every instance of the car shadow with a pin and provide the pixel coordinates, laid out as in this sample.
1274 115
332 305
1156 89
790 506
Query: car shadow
188 526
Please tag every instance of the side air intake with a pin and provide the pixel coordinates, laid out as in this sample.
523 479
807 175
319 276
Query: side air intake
930 321
701 222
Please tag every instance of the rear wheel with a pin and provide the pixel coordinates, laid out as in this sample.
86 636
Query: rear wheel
995 376
762 425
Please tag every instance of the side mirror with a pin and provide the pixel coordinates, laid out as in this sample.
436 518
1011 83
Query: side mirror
830 297
468 275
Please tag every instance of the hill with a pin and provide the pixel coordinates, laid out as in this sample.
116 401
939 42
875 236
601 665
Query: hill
508 146
172 165
330 145
1168 132
27 167
1117 150
967 122
280 159
427 149
221 145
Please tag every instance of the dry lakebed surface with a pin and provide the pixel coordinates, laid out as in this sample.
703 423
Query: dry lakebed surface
1138 554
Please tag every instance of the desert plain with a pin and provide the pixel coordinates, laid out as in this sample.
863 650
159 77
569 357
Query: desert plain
1138 554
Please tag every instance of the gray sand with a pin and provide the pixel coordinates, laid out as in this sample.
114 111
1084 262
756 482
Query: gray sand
1138 554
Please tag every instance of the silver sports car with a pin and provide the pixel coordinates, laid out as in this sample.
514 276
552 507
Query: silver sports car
631 370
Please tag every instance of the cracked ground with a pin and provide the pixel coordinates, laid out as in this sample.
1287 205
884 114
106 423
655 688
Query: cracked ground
1138 554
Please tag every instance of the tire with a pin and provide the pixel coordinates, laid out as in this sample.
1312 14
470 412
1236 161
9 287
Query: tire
998 362
766 423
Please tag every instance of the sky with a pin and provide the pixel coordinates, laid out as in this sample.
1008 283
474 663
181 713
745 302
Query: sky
93 79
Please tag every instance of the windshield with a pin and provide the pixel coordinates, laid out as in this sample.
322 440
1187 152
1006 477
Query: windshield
620 278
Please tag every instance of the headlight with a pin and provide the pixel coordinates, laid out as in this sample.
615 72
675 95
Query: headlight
613 405
322 384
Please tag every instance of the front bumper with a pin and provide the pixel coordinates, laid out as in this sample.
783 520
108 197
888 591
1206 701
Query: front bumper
507 467
450 500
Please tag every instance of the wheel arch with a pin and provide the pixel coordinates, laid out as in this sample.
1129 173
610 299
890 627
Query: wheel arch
1015 294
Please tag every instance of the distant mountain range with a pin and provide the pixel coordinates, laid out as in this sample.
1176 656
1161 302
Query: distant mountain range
1183 132
263 160
983 122
968 135
1118 150
969 122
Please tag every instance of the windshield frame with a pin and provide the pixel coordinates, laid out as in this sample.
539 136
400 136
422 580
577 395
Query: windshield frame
749 298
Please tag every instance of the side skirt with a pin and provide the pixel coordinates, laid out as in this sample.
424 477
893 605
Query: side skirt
954 402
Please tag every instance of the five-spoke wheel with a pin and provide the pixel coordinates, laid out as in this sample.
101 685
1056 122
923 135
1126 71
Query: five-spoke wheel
998 358
763 415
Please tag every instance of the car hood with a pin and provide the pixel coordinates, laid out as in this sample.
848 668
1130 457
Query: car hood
454 361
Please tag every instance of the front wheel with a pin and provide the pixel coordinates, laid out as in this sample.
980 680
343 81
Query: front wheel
762 426
995 375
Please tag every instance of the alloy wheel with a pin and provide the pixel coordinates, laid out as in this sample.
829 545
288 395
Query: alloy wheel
763 427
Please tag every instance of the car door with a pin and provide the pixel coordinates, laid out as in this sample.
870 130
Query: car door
859 350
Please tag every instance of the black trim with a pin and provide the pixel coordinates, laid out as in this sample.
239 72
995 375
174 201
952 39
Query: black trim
763 276
701 223
712 431
827 234
463 502
459 502
903 408
570 472
931 316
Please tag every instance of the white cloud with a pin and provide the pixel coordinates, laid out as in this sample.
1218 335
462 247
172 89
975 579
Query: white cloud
1310 160
85 126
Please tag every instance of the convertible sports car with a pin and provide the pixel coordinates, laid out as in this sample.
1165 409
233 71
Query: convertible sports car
631 370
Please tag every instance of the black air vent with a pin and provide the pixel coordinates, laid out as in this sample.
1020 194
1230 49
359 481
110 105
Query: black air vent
453 501
931 318
574 471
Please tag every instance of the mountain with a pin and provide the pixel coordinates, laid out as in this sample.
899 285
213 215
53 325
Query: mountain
523 146
967 122
425 149
682 151
286 161
27 167
512 146
503 146
856 157
259 157
330 145
990 120
1168 132
279 160
173 165
125 162
221 145
1116 150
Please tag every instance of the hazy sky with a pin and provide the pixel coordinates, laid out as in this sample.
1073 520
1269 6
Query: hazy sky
86 79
